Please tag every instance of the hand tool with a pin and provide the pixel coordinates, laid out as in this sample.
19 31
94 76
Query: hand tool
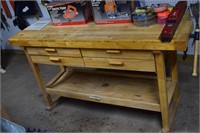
6 9
194 8
4 21
173 21
12 4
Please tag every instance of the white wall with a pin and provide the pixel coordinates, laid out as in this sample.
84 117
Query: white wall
5 34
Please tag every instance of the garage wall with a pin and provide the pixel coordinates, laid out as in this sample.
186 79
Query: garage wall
7 33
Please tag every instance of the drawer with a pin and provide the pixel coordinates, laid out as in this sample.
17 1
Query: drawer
54 51
121 64
125 54
57 60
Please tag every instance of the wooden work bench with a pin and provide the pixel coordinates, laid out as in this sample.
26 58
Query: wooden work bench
110 56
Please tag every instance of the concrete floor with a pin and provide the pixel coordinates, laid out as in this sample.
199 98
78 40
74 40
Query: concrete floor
23 101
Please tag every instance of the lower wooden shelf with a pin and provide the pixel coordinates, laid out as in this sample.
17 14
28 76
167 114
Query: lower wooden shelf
133 92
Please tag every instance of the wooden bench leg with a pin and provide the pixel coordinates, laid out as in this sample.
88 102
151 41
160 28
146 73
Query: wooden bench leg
168 110
40 81
176 94
161 75
173 65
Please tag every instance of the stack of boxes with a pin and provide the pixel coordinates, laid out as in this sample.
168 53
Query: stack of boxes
70 12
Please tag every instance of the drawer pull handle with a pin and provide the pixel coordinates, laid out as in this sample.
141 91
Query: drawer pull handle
116 63
113 51
54 59
50 49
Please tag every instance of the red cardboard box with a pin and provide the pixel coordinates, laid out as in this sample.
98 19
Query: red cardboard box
112 11
70 12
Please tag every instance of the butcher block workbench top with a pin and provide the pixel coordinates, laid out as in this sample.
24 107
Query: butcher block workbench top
115 36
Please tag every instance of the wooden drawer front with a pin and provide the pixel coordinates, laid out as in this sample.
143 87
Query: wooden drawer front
122 64
125 54
59 60
54 51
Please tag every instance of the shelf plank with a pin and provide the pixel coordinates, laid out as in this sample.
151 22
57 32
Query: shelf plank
111 89
116 90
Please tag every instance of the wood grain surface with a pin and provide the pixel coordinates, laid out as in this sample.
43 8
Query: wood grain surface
108 36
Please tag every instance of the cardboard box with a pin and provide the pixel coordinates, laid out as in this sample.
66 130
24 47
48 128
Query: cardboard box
112 11
70 12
